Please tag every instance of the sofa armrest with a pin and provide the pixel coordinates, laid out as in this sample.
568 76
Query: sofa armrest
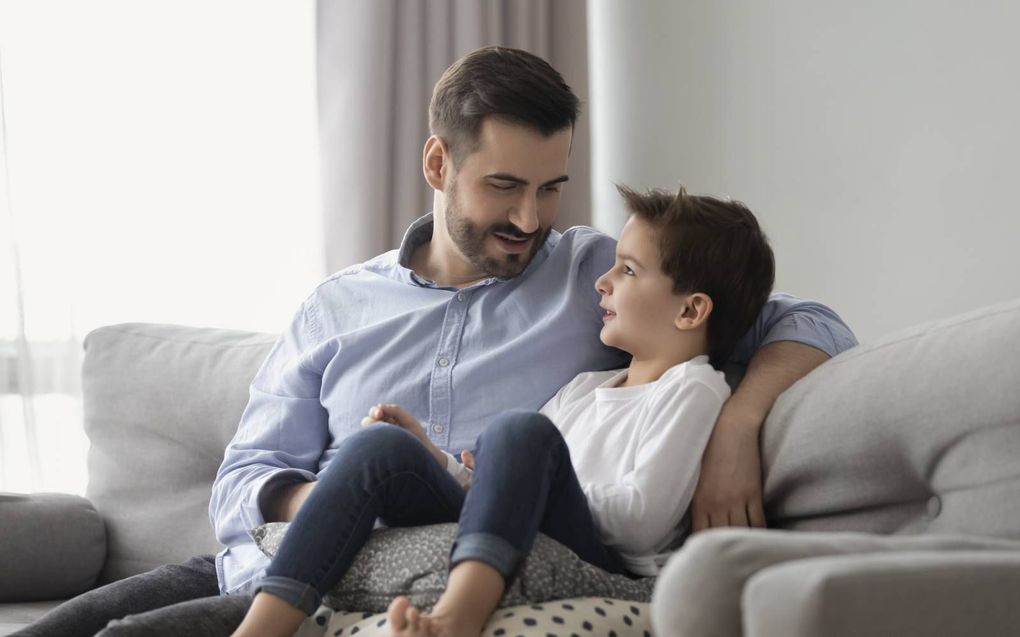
52 546
903 594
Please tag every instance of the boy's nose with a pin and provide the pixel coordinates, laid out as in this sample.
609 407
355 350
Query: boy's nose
602 285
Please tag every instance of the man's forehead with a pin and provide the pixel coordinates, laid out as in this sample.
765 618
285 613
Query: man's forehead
505 147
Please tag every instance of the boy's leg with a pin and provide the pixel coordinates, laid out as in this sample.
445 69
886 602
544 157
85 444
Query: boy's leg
380 472
87 614
524 483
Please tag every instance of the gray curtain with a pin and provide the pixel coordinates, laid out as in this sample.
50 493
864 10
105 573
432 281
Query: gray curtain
377 63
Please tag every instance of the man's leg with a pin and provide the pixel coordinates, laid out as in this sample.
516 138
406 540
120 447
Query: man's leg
87 614
215 616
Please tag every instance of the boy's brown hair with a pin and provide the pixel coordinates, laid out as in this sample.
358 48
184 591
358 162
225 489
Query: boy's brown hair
503 82
714 246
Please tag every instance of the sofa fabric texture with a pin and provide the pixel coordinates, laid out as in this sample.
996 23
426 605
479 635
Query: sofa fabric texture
52 546
916 433
161 402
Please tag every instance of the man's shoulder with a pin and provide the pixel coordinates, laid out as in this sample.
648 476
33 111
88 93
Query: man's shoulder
348 280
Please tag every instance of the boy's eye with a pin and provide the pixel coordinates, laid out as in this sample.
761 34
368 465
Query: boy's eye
628 271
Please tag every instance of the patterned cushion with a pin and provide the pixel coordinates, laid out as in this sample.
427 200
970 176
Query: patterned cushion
562 618
412 561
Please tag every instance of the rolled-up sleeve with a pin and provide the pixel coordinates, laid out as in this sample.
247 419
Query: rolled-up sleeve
281 436
788 318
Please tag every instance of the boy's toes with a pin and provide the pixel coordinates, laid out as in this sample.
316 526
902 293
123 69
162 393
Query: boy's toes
396 614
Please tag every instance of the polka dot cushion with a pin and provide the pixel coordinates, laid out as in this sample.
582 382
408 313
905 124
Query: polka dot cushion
413 561
576 617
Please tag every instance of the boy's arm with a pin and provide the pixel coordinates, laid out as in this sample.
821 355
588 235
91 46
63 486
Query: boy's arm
638 511
729 491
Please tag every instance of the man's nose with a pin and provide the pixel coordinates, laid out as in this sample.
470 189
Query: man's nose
525 215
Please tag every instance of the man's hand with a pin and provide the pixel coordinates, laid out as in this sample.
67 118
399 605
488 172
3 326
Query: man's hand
729 492
729 489
396 415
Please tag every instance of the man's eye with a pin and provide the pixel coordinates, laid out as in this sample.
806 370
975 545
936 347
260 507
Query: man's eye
504 186
551 189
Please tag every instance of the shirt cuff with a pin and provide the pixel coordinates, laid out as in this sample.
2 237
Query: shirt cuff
461 473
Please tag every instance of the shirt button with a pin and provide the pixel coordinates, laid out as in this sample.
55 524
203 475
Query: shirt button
444 361
460 296
437 428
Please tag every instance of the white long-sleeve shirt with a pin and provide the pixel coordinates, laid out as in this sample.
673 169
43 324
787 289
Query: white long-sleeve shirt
637 452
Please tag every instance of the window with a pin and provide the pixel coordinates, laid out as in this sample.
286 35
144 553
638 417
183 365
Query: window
162 162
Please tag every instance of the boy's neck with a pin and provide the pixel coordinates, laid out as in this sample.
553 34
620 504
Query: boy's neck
648 370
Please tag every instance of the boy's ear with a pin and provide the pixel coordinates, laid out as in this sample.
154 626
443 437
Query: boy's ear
435 162
695 311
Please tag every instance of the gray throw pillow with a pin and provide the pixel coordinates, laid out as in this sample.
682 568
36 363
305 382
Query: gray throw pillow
413 561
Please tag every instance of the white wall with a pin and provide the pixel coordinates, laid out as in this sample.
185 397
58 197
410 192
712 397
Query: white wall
876 141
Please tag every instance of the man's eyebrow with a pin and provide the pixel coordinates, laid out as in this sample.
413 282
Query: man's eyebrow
524 182
626 257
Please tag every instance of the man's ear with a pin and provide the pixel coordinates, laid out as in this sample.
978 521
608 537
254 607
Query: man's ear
435 162
695 311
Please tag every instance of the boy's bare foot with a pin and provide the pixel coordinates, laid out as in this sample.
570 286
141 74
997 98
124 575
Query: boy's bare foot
407 621
472 592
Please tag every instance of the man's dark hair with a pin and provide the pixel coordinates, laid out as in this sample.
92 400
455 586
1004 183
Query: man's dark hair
713 246
502 82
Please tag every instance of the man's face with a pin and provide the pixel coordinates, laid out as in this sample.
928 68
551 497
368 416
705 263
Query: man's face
502 199
637 296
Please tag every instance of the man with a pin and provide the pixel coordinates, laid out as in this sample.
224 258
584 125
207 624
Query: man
483 308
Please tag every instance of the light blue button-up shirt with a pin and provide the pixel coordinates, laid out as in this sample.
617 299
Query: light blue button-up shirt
378 332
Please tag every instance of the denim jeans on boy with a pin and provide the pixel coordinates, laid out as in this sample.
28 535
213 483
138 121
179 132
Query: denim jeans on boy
523 484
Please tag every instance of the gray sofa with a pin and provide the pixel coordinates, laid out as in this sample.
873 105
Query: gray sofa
892 486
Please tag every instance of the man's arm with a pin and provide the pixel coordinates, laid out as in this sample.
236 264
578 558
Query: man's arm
790 338
729 491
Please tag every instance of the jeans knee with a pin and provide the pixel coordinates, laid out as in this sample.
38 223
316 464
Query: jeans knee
377 446
524 430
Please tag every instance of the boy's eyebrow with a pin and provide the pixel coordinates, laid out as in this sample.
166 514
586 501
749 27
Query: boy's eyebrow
524 182
626 257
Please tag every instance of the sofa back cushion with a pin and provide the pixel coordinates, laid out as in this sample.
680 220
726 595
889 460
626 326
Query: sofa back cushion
161 402
918 432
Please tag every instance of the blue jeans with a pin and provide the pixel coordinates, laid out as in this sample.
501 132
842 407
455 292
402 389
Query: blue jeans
523 484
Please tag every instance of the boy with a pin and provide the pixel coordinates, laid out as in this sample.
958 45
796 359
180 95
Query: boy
611 479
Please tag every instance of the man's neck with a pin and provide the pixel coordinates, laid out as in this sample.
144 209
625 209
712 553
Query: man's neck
449 272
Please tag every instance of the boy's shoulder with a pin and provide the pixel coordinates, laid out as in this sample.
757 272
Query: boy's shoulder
697 370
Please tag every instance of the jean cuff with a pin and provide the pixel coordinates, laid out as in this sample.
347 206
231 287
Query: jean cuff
491 549
301 596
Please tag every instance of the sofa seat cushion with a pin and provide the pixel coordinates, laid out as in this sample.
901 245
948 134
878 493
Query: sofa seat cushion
14 617
916 433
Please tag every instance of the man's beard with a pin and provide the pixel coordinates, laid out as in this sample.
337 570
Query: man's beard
470 239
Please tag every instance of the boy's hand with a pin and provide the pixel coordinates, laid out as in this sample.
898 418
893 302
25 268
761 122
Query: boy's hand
468 459
729 491
396 415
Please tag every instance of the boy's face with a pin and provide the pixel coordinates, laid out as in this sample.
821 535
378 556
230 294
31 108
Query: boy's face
502 201
641 307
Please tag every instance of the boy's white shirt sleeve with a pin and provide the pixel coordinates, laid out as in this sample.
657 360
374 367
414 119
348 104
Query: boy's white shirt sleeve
636 513
457 469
